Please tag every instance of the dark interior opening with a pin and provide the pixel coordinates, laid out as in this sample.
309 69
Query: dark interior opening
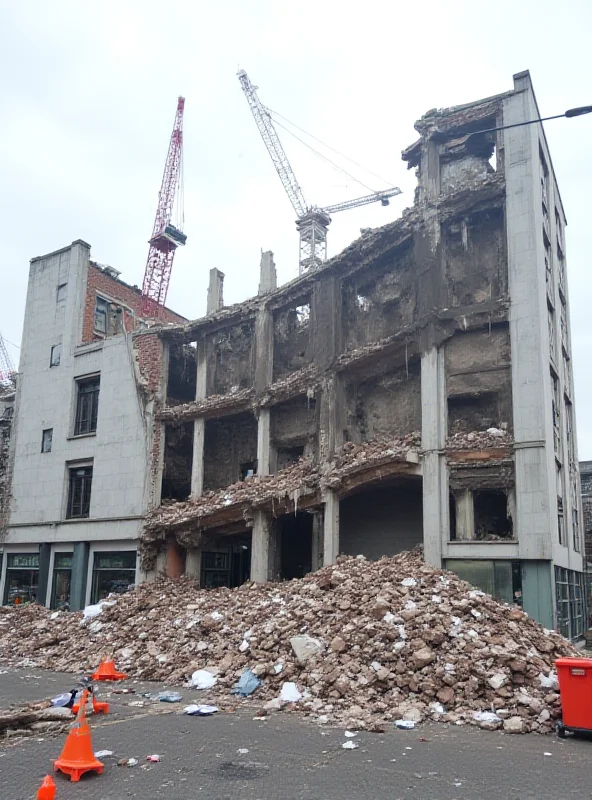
226 562
383 520
178 461
230 450
452 516
182 376
296 545
491 514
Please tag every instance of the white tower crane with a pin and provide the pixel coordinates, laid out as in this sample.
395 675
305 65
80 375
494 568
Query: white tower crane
312 222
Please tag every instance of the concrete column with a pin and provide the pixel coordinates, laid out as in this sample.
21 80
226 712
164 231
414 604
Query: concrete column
193 564
263 441
330 528
215 291
267 274
260 548
465 516
434 418
199 425
175 563
43 575
317 542
80 557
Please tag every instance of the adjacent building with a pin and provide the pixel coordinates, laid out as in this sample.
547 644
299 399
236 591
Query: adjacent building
416 389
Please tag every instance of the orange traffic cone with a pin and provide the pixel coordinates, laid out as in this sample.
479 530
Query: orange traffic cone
77 756
98 707
47 790
107 671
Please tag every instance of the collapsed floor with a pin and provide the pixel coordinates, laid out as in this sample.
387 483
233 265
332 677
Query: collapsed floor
395 639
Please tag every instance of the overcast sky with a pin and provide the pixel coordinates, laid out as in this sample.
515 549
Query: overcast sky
89 93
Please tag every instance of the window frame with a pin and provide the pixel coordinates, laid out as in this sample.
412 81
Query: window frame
87 425
85 489
98 314
43 439
53 360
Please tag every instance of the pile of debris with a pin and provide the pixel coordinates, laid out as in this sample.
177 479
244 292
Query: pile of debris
364 643
479 440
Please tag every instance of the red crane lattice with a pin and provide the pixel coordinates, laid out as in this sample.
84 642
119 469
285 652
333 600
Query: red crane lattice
165 236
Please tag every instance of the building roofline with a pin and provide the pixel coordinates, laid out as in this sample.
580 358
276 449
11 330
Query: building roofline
61 250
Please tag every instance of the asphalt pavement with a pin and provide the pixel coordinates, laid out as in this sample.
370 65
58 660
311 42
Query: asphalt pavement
232 755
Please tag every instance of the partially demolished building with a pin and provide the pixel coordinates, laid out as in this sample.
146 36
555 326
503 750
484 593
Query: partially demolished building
415 389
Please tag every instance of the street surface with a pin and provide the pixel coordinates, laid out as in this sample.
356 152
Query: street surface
287 759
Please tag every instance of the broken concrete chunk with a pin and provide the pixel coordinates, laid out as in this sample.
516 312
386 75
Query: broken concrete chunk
305 646
514 725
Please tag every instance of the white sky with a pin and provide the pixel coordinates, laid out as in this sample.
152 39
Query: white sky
89 93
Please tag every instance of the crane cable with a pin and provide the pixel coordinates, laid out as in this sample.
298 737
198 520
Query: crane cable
328 146
325 158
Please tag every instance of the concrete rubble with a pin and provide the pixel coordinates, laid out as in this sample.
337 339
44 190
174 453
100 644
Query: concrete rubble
394 640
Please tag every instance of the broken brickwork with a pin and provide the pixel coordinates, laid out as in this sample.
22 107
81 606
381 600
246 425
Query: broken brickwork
7 395
318 389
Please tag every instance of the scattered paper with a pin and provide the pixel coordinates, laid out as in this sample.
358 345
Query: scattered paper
350 746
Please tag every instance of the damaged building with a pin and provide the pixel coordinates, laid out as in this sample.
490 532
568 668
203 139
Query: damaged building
416 389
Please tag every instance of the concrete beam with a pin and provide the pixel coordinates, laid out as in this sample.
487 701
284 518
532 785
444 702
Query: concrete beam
330 528
215 291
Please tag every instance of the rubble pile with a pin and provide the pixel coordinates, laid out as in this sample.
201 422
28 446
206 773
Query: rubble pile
358 643
475 440
354 456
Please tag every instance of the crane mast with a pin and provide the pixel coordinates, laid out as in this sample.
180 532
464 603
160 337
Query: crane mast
312 222
7 372
165 237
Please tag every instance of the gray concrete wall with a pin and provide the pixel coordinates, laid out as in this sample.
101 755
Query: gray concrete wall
47 399
382 521
536 483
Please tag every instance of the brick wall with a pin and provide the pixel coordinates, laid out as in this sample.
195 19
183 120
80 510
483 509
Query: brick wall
98 282
148 348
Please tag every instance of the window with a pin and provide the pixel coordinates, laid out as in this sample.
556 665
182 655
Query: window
560 523
22 578
575 521
248 469
502 579
101 314
491 515
56 355
570 607
80 480
87 405
46 438
61 292
62 577
113 573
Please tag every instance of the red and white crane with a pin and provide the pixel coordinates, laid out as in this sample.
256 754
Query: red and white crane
166 237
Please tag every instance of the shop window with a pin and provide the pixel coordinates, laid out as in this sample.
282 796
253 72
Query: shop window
56 355
46 440
113 573
80 482
501 579
87 405
22 578
61 582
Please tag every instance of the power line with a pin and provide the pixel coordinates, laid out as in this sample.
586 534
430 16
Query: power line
325 158
328 146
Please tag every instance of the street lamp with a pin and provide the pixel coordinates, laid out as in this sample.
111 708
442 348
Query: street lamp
571 112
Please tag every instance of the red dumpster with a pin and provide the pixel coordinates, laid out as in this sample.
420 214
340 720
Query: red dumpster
575 686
